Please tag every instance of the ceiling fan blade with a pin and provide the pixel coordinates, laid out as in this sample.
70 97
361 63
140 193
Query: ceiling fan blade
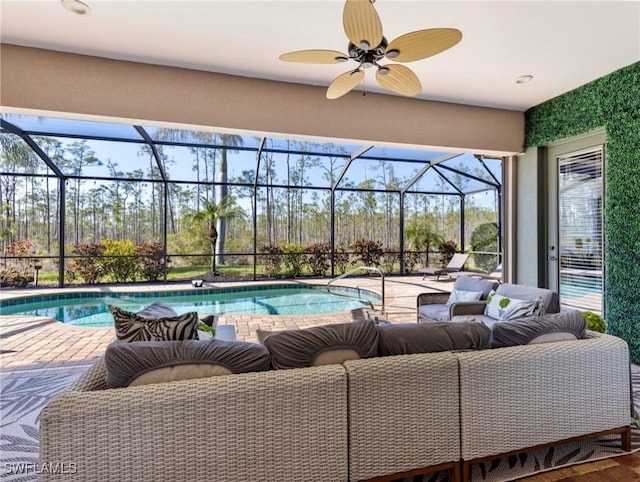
399 78
344 83
315 57
422 44
362 24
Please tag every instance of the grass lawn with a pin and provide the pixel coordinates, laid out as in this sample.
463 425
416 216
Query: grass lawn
176 273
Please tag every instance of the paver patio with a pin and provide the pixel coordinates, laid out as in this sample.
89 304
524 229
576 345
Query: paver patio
32 346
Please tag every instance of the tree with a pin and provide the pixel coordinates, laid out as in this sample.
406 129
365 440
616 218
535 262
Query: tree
228 140
422 237
484 240
212 212
82 156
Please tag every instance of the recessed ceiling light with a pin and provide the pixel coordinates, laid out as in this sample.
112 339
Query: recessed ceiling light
523 79
76 6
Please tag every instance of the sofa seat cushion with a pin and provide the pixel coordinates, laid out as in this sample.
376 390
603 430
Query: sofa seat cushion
321 345
144 362
435 312
570 325
412 338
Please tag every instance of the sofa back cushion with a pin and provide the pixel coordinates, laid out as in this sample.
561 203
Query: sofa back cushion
566 325
550 299
468 283
321 345
144 362
412 338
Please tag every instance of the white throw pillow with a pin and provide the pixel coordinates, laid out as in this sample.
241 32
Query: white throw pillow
460 295
504 308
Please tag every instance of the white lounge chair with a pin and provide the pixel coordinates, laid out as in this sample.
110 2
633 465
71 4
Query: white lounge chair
456 264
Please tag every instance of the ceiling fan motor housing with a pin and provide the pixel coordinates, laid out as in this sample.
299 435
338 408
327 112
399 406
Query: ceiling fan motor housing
361 55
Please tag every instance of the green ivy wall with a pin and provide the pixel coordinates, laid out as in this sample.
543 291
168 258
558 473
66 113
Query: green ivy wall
612 101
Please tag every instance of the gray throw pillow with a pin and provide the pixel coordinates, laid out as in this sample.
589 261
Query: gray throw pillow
411 338
133 327
469 283
321 345
163 361
157 310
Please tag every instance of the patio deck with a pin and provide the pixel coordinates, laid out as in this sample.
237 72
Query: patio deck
33 346
36 346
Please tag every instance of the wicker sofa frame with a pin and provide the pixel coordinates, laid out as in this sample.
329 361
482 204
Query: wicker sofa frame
519 398
377 419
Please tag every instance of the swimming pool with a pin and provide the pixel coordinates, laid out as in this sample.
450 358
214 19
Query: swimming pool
90 309
576 286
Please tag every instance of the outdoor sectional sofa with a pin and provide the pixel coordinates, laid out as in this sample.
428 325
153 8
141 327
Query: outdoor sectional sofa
358 420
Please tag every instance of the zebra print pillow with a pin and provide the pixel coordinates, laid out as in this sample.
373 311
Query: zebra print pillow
132 327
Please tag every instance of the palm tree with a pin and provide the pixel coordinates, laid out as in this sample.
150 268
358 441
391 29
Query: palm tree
422 237
212 212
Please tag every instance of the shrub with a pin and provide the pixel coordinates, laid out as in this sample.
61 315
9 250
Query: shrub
320 258
411 260
12 277
119 260
485 238
340 260
367 252
293 259
20 266
89 268
595 322
447 250
272 260
151 261
389 259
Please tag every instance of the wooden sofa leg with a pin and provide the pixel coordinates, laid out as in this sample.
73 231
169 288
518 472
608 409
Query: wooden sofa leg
626 440
466 471
455 472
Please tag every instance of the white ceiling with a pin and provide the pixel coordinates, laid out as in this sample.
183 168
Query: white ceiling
562 44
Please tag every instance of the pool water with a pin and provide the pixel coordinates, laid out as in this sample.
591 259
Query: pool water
91 309
574 286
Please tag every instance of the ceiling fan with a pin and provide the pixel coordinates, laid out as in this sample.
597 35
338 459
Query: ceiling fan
369 47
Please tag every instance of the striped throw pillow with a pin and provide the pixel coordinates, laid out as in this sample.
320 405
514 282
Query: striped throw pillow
133 327
503 308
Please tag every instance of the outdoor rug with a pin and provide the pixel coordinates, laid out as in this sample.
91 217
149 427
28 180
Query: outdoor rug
21 400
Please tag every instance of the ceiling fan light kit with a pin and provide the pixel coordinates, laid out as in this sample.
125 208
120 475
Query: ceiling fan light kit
363 28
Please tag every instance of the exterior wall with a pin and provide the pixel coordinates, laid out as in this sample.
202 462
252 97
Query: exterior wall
612 101
530 246
37 81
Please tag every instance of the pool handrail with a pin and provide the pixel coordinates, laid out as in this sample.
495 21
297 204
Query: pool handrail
355 270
